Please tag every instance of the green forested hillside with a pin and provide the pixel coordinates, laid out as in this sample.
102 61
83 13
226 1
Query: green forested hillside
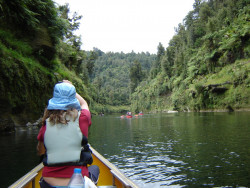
111 76
37 49
206 65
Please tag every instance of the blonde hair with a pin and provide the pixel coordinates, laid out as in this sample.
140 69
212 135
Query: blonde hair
59 116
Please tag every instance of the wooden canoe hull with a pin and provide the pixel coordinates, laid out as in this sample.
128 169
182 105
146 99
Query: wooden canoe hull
109 175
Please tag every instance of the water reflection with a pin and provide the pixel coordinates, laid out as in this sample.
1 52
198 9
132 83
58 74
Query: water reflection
18 155
156 150
188 149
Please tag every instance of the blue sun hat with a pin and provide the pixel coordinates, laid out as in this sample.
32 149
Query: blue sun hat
64 98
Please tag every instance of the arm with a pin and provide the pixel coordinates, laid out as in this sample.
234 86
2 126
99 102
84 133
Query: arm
40 148
40 137
83 103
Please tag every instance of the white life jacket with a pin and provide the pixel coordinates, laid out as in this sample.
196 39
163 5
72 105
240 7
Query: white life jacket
63 142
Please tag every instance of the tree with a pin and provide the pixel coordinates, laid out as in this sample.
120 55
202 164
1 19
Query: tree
69 47
36 21
91 62
136 75
156 68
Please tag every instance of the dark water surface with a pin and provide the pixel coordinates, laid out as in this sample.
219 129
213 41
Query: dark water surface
156 150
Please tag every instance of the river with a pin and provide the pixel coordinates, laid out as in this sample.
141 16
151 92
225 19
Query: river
155 150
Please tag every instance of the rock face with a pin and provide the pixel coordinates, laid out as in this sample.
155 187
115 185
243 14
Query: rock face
7 125
38 123
24 93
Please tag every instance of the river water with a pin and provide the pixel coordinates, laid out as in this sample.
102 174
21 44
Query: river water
155 150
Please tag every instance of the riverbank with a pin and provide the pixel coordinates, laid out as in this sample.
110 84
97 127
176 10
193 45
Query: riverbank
205 110
8 125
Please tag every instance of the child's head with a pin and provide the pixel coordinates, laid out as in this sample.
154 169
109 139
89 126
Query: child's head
64 98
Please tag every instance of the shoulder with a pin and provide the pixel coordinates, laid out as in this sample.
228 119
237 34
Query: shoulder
85 112
85 115
85 121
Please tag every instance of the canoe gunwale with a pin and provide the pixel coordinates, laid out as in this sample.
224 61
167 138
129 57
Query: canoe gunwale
115 171
27 178
30 178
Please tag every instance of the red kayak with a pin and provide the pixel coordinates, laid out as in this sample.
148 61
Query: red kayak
129 116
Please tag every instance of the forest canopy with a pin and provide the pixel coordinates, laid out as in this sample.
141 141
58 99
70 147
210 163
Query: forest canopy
204 67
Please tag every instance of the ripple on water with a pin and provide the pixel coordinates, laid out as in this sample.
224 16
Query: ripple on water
156 169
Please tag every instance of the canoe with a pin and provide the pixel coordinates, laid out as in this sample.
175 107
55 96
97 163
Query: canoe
129 116
172 111
110 175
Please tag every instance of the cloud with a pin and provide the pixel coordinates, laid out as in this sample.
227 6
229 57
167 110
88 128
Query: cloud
119 25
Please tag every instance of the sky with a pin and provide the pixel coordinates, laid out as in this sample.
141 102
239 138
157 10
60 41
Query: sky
128 25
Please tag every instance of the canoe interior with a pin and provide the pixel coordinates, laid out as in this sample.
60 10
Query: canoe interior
109 175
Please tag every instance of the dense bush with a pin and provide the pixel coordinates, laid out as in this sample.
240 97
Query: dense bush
205 50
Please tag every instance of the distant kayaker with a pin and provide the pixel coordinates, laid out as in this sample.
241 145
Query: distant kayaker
140 113
129 113
64 133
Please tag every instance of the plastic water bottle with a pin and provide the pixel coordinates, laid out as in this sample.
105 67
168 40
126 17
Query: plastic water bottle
76 181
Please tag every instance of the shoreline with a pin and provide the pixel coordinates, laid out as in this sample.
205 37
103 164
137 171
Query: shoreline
204 110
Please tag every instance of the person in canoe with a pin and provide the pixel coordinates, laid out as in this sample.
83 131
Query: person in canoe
64 135
129 115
